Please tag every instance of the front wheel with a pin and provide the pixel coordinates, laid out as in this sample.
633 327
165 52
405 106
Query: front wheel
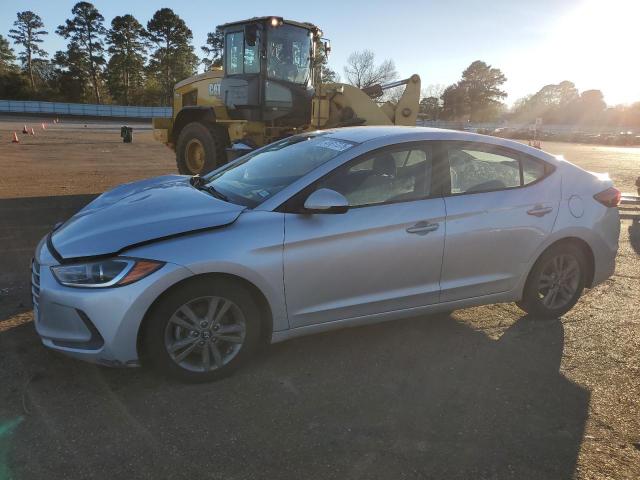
200 149
202 331
555 283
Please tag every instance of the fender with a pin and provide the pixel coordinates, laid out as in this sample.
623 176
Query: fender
190 114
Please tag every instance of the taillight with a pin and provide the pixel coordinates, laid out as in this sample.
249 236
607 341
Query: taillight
609 198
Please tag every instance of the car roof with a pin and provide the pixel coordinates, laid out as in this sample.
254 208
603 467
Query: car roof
388 135
363 134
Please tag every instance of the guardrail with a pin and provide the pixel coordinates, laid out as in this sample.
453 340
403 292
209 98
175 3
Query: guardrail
82 109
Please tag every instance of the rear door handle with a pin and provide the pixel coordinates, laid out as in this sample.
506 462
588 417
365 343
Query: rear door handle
539 211
422 228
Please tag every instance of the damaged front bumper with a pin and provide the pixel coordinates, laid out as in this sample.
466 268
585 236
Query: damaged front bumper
99 325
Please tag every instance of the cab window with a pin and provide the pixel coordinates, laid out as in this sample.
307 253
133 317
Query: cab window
288 54
190 98
240 57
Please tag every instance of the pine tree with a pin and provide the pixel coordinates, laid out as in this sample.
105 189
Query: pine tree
72 67
213 49
85 31
173 60
125 71
13 84
327 74
7 57
481 83
27 34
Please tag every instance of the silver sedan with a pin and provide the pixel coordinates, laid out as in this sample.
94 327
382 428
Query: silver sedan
320 231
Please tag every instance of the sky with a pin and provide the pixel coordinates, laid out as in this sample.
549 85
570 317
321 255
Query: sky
593 43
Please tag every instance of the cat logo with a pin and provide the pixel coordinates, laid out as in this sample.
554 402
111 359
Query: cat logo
214 89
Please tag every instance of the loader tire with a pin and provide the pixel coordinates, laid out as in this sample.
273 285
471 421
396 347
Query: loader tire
200 149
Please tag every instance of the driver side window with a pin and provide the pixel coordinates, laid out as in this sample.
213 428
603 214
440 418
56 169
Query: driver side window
386 176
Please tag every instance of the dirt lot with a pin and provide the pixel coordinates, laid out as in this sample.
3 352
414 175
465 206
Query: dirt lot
485 393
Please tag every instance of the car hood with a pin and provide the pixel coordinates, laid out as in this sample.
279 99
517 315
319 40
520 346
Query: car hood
140 212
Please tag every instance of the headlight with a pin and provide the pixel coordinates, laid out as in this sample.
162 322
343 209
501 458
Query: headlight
105 273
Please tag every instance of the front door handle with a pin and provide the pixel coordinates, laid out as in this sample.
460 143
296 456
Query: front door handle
422 228
539 211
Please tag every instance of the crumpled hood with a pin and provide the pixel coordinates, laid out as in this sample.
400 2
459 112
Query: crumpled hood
139 212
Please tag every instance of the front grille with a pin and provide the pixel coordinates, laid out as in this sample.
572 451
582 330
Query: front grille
35 282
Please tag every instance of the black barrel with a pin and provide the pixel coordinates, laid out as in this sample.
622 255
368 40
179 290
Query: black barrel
127 134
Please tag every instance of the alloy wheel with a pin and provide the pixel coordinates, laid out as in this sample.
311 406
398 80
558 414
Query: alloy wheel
205 333
559 281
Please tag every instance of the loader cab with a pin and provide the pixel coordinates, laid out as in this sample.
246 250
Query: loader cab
268 65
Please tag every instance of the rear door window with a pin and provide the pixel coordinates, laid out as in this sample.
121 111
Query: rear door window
478 167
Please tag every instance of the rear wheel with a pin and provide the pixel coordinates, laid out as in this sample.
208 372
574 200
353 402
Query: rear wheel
202 331
556 282
200 149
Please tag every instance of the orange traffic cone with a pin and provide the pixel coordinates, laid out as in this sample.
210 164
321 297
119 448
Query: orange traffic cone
15 138
33 132
44 127
24 130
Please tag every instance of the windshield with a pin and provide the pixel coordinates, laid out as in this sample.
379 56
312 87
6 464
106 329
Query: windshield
289 54
260 175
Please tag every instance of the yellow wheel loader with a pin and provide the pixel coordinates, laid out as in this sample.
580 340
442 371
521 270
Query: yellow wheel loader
269 88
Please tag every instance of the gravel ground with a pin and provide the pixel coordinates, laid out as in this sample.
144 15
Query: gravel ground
484 393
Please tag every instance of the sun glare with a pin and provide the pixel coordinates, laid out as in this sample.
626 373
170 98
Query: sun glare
596 46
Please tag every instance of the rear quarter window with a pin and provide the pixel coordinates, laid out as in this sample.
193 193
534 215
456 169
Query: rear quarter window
532 170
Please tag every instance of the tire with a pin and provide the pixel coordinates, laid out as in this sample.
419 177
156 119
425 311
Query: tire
200 149
166 329
538 298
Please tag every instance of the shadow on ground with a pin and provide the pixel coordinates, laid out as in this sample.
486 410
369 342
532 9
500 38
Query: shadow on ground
422 398
24 222
634 235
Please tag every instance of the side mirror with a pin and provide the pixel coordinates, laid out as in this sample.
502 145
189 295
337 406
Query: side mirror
251 34
326 201
327 47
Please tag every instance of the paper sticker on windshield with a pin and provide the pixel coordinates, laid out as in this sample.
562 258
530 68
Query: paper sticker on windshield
263 193
336 145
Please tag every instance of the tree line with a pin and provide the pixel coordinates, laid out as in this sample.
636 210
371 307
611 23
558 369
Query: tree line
129 63
126 63
562 103
477 97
